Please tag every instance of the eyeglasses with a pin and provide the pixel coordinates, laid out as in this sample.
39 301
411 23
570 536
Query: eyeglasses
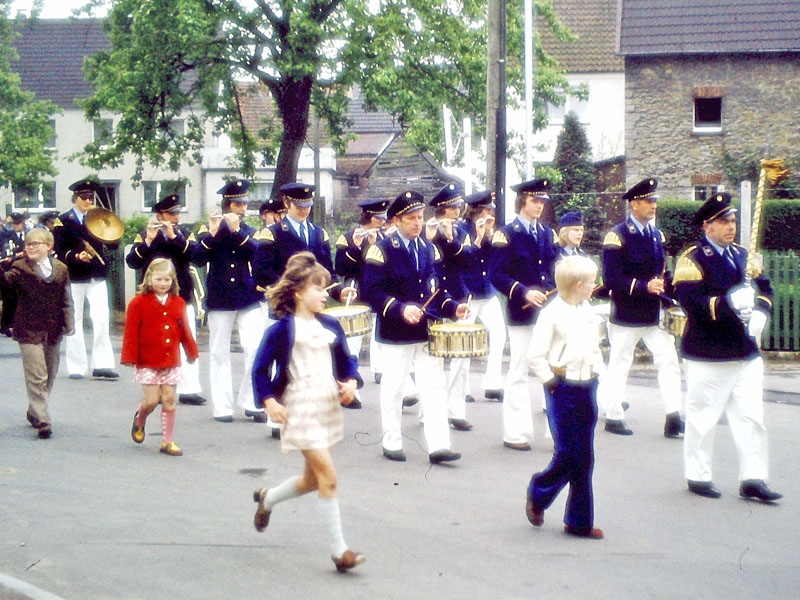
29 244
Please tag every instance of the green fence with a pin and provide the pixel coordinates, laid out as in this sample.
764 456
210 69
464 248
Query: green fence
783 329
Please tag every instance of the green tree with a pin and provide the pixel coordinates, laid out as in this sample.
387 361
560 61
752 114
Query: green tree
24 123
173 57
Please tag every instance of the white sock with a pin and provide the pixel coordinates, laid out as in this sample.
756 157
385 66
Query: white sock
329 507
285 491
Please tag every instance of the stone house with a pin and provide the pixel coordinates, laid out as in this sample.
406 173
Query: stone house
704 78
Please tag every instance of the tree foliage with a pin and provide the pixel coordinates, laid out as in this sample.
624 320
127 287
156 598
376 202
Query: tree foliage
410 57
24 123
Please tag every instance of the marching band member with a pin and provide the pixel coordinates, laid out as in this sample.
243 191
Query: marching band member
12 245
485 306
455 246
521 268
272 210
75 247
570 233
165 238
399 279
724 368
227 245
635 270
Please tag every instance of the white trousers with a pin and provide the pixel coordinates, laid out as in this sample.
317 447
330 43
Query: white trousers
489 312
405 359
375 360
517 417
190 373
95 292
730 387
250 324
611 391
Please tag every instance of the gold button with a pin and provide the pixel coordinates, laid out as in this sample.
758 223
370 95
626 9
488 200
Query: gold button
165 313
233 279
233 266
166 326
168 340
483 273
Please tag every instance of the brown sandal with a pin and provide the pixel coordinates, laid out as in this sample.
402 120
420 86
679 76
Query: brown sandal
261 518
348 560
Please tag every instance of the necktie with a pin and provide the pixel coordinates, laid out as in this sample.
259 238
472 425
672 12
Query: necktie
533 232
412 248
731 263
303 233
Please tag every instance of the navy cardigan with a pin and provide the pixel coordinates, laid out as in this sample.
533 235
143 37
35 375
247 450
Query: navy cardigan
276 348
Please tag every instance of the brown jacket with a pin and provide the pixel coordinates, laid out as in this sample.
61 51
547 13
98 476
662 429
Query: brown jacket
44 306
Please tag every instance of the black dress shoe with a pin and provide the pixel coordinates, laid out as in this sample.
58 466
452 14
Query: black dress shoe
591 533
409 401
521 446
618 427
45 431
703 488
674 425
535 517
443 455
397 455
75 376
105 374
6 331
276 433
354 405
756 488
377 378
35 423
225 419
259 416
193 399
469 398
493 395
460 424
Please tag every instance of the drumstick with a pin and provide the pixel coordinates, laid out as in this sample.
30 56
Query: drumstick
347 302
90 249
331 286
469 301
428 301
546 296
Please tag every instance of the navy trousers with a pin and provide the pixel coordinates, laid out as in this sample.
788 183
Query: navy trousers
572 410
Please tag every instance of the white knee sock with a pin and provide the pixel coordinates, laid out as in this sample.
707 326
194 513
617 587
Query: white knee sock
329 507
285 491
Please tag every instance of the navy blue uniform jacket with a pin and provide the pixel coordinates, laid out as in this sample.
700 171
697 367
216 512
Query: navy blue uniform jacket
391 280
630 260
476 271
349 259
69 236
229 283
456 256
276 349
179 250
713 330
520 262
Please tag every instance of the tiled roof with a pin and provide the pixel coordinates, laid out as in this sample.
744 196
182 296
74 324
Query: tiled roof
364 121
708 26
51 55
594 22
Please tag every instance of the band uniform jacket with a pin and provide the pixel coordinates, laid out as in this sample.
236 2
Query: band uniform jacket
476 269
44 305
280 241
179 250
229 283
349 258
520 262
152 339
456 255
391 280
70 239
276 349
630 260
713 330
11 244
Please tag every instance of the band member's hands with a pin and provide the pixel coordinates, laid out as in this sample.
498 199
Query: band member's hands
489 225
655 285
372 236
412 314
349 294
153 227
169 230
275 411
390 230
535 297
462 310
347 391
431 227
84 256
446 227
755 326
480 231
214 221
358 236
233 220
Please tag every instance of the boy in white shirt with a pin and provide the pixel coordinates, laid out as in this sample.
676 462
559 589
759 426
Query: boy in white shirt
565 354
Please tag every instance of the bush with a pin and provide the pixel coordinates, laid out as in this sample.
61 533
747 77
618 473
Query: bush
780 225
674 218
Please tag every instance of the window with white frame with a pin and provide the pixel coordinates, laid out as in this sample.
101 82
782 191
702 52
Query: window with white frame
51 140
260 190
704 192
153 191
35 196
103 128
708 115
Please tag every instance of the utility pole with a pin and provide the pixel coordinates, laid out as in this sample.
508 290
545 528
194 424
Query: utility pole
530 72
496 104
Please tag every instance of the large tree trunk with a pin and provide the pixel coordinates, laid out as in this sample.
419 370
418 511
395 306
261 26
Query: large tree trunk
293 99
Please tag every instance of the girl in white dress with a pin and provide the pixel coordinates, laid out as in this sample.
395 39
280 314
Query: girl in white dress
302 373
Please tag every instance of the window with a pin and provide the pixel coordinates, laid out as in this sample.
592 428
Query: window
555 114
155 190
708 114
51 140
353 180
704 192
36 196
103 128
260 190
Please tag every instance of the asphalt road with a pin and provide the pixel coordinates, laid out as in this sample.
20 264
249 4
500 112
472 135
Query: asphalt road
89 515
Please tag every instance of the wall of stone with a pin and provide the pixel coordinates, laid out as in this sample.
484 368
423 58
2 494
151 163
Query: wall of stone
760 112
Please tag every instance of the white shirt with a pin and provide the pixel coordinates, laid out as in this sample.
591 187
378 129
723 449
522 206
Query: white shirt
566 337
45 266
296 226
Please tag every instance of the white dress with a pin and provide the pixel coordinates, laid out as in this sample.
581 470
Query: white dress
312 395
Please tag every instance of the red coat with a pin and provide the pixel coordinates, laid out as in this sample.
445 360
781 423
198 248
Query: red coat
153 332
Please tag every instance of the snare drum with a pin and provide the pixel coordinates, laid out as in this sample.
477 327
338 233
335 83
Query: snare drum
675 320
355 319
458 340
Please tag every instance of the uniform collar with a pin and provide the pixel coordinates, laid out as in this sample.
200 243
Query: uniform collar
639 225
720 249
528 225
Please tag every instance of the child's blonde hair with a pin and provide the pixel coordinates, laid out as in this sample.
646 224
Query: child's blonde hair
562 233
39 234
571 270
159 265
302 270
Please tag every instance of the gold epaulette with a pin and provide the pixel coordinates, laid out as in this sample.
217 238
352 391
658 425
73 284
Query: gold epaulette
265 235
687 269
375 255
467 241
57 223
325 236
437 254
341 241
499 239
191 238
138 239
612 239
203 229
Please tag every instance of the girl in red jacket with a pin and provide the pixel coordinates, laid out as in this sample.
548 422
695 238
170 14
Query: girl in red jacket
155 327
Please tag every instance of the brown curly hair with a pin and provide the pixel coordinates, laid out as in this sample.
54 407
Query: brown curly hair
302 270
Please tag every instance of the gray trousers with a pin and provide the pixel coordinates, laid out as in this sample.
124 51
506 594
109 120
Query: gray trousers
40 364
